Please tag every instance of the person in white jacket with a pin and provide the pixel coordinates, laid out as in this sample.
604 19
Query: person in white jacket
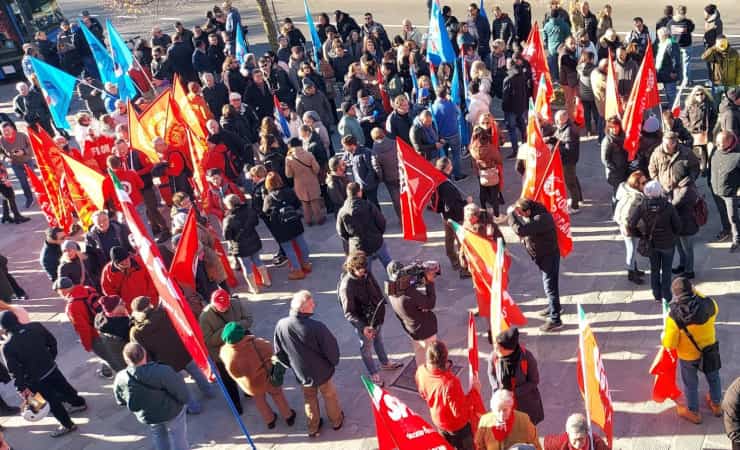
480 102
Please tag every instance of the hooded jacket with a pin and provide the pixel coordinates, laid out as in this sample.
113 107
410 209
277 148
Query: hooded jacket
385 161
154 392
725 167
725 65
29 353
424 140
239 229
249 363
155 332
698 314
729 116
656 220
538 233
362 224
699 117
628 199
316 102
128 284
273 202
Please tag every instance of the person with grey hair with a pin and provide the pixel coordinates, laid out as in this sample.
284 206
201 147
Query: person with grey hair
31 106
503 426
671 162
657 224
575 436
157 396
725 182
310 349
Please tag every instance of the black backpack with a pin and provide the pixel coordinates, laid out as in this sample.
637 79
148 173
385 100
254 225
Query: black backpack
284 212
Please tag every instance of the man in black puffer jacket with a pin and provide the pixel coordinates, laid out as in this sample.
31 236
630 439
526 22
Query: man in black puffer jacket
725 172
361 224
536 228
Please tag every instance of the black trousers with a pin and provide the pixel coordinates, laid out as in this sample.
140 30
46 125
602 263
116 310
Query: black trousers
231 386
9 202
461 439
56 389
489 196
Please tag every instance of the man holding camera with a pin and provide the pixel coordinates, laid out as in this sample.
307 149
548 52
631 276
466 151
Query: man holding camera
412 297
536 228
363 304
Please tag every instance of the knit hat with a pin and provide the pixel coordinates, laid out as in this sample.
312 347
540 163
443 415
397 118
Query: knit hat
70 245
8 320
653 189
682 288
109 303
346 107
233 333
221 300
651 125
508 339
62 283
118 254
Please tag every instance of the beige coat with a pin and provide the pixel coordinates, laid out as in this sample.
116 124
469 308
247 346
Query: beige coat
248 363
303 168
522 432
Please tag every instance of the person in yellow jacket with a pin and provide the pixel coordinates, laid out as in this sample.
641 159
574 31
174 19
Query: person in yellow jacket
503 426
724 62
693 316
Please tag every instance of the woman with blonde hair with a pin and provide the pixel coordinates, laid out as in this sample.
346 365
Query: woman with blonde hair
699 117
478 71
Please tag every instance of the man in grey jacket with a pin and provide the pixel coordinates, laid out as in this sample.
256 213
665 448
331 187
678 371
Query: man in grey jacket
310 349
157 396
385 164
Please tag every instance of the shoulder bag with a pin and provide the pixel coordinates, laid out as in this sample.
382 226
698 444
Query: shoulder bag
710 360
276 374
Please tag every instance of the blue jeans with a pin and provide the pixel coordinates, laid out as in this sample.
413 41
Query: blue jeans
686 64
660 273
690 379
454 147
685 247
382 255
171 435
630 244
204 386
141 210
20 173
514 122
287 247
550 268
366 350
247 261
670 93
552 63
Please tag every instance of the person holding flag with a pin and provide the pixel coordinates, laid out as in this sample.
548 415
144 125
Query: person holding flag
535 226
514 369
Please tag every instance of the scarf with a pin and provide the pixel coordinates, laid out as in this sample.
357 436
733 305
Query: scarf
509 365
662 48
502 431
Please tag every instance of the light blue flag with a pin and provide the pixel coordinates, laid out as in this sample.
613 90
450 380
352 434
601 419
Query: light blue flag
439 47
482 10
121 53
107 68
314 35
241 47
58 88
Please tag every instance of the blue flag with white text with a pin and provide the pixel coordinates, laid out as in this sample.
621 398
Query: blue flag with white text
58 87
121 53
314 34
439 47
107 66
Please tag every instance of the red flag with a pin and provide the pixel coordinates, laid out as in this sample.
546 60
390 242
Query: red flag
185 261
230 276
595 390
80 199
538 155
38 188
644 95
552 194
383 94
397 426
664 370
534 53
48 157
475 401
418 180
613 102
542 104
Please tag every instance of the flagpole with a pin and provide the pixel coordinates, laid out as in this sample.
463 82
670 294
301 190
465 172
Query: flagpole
238 418
581 346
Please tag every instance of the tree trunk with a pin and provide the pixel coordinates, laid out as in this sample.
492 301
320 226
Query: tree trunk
268 23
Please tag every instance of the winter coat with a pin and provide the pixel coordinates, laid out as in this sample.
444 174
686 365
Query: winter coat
350 126
626 72
274 201
516 92
731 408
415 309
648 143
98 243
216 97
362 224
159 338
522 19
480 104
538 233
399 125
522 432
480 23
570 143
154 392
725 65
554 33
684 199
50 256
585 91
660 217
29 353
316 102
670 63
260 99
445 115
128 285
614 159
699 118
362 299
240 230
448 201
729 116
308 347
32 107
249 363
503 28
385 161
713 28
525 380
78 270
486 155
725 168
212 323
363 170
303 168
422 141
681 29
337 189
443 392
628 199
699 315
598 86
568 67
670 169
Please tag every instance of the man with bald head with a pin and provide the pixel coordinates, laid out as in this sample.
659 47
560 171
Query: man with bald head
725 182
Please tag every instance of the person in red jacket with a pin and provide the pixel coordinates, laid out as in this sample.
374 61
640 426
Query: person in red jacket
575 437
126 277
445 397
218 188
175 170
219 157
97 150
81 304
132 184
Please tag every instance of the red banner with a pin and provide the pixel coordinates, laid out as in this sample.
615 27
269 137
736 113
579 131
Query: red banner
644 95
185 261
534 53
538 156
38 188
48 157
553 195
664 370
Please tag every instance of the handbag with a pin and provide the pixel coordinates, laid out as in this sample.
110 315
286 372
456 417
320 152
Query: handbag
276 373
489 177
710 360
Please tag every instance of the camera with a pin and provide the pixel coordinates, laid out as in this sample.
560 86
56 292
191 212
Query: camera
411 275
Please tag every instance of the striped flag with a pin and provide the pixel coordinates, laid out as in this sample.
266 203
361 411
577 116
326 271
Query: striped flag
280 118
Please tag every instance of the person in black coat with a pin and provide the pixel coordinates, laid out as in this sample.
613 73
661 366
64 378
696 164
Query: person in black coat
532 222
724 179
259 95
399 122
522 19
449 202
240 231
568 140
180 58
345 24
361 224
51 253
684 199
234 143
30 353
731 409
31 106
516 95
514 369
215 94
503 28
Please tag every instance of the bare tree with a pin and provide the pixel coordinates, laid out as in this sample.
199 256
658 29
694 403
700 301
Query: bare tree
268 23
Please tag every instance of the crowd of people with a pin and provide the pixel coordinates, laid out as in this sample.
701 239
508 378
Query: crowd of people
319 153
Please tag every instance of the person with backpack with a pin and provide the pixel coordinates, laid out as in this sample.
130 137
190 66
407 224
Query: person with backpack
280 207
657 224
690 329
514 369
113 326
692 211
630 196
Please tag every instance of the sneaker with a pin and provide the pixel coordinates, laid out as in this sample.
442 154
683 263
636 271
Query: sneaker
722 236
279 260
546 312
687 414
21 219
634 277
716 409
71 409
391 365
550 326
62 430
677 270
271 425
317 433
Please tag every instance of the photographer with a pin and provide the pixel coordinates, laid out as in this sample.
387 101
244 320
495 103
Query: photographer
363 304
412 297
